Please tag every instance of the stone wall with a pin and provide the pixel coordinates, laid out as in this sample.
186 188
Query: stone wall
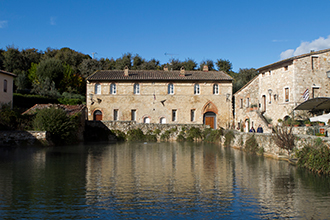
23 138
270 148
125 126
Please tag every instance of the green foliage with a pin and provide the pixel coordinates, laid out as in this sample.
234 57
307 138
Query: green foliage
212 135
88 66
135 135
61 127
165 136
242 77
157 131
229 137
181 137
11 119
251 145
208 63
150 137
120 136
26 101
193 134
71 99
224 65
315 157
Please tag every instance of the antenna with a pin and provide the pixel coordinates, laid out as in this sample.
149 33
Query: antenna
93 55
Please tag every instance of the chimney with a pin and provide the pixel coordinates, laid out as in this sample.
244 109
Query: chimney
182 71
126 71
205 68
165 68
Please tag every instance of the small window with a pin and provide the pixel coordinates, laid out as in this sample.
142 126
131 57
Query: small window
136 88
192 115
315 63
170 89
247 102
162 120
146 120
113 89
215 89
5 85
174 116
115 114
196 89
133 115
241 103
286 68
315 92
97 89
286 94
270 72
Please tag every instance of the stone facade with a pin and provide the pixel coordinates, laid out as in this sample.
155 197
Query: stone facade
280 86
166 97
24 138
6 87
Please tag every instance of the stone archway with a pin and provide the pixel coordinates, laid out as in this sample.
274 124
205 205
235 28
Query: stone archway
210 112
97 116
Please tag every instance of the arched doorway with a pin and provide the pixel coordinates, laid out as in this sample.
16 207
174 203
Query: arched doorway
210 118
210 112
97 115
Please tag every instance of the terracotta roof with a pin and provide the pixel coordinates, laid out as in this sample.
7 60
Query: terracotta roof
281 62
69 109
158 75
7 73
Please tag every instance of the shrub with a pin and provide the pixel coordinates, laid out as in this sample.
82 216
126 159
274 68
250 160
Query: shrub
315 157
251 145
284 138
135 135
212 136
165 136
194 133
157 131
120 136
150 137
229 137
61 127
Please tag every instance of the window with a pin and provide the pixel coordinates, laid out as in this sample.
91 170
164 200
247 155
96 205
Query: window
136 88
113 89
241 103
215 89
247 102
115 114
146 120
192 115
196 89
174 115
286 68
286 94
270 72
5 85
133 115
97 89
170 89
316 92
315 63
162 120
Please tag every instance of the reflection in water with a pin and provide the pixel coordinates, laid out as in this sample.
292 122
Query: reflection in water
158 180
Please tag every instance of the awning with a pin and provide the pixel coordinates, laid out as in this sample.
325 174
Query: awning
324 118
320 103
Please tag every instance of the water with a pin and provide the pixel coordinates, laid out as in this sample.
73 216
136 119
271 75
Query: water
155 181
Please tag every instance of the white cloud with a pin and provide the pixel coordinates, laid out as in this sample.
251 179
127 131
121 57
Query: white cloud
52 20
3 24
305 47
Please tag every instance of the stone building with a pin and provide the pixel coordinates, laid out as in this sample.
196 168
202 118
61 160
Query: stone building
6 87
160 96
280 87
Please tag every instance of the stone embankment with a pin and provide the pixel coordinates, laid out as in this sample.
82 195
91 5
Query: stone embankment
23 138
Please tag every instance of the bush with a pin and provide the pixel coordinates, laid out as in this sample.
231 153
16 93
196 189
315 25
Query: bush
150 137
252 146
136 135
315 157
120 136
193 134
212 136
61 127
11 119
229 137
165 136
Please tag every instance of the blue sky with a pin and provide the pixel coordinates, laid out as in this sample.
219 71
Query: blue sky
247 33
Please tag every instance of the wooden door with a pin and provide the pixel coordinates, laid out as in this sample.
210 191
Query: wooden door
98 116
209 121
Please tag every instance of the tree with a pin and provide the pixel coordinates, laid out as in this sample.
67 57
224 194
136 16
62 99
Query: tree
13 60
137 62
89 66
175 64
208 63
108 64
224 65
150 65
189 64
2 58
50 68
242 77
125 60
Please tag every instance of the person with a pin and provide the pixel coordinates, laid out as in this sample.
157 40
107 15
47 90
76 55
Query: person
260 130
252 130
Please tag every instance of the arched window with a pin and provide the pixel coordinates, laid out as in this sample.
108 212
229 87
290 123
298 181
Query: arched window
215 89
162 120
97 89
196 89
5 85
146 120
136 88
170 89
113 88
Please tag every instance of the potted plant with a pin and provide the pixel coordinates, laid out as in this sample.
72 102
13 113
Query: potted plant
296 123
279 122
321 123
254 107
307 123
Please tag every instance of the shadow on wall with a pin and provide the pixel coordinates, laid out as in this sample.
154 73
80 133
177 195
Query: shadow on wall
24 138
97 131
